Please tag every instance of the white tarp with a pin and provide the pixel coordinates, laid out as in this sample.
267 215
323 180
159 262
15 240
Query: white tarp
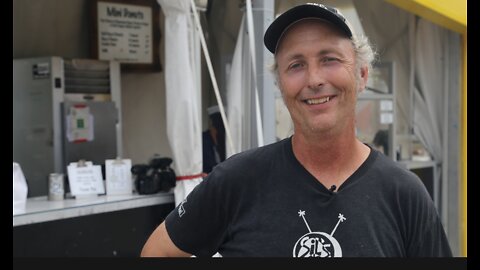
241 97
434 76
420 54
183 100
20 189
437 74
238 83
391 39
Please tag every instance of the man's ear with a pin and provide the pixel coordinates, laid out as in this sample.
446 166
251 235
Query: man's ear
363 78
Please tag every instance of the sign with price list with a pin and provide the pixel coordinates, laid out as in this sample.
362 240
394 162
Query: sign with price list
127 32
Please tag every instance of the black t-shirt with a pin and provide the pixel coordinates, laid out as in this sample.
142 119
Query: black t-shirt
264 203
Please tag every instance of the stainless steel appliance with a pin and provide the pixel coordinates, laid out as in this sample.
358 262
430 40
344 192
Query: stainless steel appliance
64 110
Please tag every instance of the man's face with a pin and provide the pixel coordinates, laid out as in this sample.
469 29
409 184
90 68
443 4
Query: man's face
317 77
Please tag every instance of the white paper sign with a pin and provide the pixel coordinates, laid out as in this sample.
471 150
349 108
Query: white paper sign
79 124
386 118
386 105
118 176
85 180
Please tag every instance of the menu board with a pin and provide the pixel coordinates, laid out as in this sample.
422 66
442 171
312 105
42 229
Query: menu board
127 32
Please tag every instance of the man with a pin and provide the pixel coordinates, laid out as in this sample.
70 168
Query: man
321 192
213 140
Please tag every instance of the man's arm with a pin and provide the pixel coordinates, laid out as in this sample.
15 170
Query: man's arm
159 244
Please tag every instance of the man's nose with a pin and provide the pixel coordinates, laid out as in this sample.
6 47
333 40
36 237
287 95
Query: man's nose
316 76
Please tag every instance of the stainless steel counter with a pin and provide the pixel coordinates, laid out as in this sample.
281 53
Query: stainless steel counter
40 209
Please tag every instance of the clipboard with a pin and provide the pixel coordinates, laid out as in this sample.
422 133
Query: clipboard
118 176
85 179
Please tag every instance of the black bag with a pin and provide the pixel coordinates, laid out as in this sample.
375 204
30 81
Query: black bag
155 177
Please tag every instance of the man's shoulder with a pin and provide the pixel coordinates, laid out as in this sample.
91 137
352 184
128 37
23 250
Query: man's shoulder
259 154
395 174
386 165
246 167
253 160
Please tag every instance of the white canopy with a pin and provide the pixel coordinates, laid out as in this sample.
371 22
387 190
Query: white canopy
183 100
242 95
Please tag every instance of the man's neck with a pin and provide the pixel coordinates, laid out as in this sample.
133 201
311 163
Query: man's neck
331 159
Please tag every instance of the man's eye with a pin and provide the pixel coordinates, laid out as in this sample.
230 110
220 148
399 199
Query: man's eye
330 59
295 66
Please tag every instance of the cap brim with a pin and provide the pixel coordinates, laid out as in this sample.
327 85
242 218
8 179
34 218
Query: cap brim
278 26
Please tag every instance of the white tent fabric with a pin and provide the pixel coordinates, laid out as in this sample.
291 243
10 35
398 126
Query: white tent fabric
20 189
429 85
391 40
251 43
234 97
436 76
419 54
432 73
183 100
242 109
237 83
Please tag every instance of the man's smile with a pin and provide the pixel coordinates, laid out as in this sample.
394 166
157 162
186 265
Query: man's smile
315 101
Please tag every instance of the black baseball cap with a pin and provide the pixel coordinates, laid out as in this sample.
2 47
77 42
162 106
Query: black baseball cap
309 10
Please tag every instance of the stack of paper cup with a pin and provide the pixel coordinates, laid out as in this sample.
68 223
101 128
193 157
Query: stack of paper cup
56 190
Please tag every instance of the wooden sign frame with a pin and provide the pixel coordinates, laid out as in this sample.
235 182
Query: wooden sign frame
126 31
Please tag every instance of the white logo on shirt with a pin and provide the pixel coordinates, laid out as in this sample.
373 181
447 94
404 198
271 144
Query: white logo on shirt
181 209
318 244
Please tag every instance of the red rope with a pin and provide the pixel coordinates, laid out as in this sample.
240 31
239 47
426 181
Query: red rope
190 177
